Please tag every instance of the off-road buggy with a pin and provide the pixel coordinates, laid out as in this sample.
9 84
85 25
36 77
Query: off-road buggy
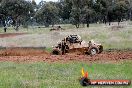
73 43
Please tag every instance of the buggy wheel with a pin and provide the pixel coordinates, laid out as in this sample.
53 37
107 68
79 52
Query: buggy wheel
56 52
93 51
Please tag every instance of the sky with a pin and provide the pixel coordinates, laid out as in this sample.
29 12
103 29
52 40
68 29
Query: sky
37 1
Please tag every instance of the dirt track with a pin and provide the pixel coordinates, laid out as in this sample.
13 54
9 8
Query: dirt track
32 55
10 35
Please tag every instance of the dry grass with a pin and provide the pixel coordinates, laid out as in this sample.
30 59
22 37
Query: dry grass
109 37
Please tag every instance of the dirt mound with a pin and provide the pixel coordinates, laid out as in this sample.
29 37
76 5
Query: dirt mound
31 55
22 52
10 34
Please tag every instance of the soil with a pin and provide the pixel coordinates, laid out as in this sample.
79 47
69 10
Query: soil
10 34
33 55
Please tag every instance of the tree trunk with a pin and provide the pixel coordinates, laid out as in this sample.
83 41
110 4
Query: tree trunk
87 24
109 23
4 25
5 29
87 19
119 19
77 25
105 19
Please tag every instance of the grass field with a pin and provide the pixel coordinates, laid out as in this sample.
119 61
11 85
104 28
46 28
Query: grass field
110 37
59 75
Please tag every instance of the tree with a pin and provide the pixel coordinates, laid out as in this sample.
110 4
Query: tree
65 10
71 11
87 14
121 10
48 14
76 16
41 3
76 12
19 10
118 11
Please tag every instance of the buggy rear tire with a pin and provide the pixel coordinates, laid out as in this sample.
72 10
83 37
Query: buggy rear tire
56 52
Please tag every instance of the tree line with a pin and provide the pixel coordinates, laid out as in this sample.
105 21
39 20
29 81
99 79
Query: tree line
76 12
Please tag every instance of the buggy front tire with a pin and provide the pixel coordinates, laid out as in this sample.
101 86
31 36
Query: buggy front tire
93 51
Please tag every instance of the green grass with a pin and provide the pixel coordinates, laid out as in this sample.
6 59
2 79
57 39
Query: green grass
49 49
59 75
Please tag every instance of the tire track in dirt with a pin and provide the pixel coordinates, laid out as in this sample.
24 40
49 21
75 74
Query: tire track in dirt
11 34
33 55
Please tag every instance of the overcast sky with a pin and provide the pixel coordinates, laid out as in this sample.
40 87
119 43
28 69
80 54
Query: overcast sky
37 1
